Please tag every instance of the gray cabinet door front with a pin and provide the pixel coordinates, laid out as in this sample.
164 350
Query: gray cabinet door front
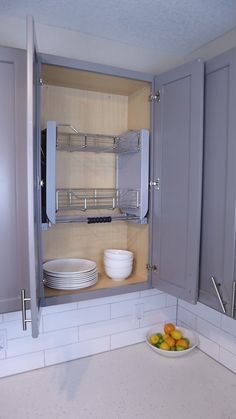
13 209
178 127
33 181
219 182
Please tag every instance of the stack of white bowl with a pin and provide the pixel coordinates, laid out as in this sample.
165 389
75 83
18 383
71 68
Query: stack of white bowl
118 264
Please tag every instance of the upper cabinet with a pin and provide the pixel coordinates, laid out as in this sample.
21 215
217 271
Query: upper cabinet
217 273
177 177
13 202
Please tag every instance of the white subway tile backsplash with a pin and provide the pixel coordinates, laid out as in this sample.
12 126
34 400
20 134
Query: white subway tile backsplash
21 363
59 308
106 328
228 324
44 341
202 311
108 300
15 316
128 338
189 319
76 317
228 359
78 350
217 332
228 342
126 308
210 348
84 328
208 330
2 353
170 301
150 292
163 315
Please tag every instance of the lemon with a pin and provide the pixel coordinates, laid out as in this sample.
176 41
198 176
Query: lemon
154 339
164 346
176 334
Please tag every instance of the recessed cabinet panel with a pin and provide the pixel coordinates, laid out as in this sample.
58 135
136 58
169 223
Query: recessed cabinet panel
178 171
13 215
217 271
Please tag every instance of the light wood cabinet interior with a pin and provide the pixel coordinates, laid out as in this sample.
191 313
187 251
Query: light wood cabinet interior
101 112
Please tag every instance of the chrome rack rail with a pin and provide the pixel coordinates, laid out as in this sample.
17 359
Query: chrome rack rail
93 220
87 142
82 199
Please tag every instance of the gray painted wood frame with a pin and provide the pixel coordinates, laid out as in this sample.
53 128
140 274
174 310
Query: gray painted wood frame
176 210
13 207
33 182
219 182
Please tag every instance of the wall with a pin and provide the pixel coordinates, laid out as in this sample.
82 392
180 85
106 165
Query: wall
216 331
85 328
81 329
62 42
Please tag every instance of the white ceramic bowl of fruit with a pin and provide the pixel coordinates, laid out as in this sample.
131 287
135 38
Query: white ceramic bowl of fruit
171 340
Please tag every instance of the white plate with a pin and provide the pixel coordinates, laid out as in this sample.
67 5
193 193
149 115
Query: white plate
187 333
71 277
70 286
68 266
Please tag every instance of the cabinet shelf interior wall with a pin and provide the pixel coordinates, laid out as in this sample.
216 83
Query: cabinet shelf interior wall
108 106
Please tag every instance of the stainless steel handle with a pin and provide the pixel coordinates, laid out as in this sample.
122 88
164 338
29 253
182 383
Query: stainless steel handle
233 298
218 294
23 308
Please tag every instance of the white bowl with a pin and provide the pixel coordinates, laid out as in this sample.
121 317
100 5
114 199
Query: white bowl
110 258
187 333
118 254
118 274
117 263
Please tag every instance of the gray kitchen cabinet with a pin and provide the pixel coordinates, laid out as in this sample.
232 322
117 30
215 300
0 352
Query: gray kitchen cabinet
217 269
177 167
167 246
13 202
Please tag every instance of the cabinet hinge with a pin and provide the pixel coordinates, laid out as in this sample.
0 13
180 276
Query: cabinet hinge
155 97
151 267
155 183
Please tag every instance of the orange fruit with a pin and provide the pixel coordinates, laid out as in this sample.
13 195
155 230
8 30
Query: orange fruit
170 341
168 328
164 346
182 343
176 334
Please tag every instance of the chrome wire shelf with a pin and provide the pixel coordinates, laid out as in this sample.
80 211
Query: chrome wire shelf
70 139
86 199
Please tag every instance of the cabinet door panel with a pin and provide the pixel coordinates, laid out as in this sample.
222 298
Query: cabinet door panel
13 239
219 191
178 166
33 181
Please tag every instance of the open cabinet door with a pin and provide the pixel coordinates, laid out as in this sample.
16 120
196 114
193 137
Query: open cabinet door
33 181
177 171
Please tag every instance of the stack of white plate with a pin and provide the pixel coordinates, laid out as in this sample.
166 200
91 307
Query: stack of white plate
70 274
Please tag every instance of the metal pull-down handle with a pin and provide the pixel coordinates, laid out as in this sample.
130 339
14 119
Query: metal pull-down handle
216 286
23 308
233 299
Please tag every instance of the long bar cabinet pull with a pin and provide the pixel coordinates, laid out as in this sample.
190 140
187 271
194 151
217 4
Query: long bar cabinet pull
218 294
233 298
23 308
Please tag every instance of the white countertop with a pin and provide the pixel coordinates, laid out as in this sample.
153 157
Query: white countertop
128 383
